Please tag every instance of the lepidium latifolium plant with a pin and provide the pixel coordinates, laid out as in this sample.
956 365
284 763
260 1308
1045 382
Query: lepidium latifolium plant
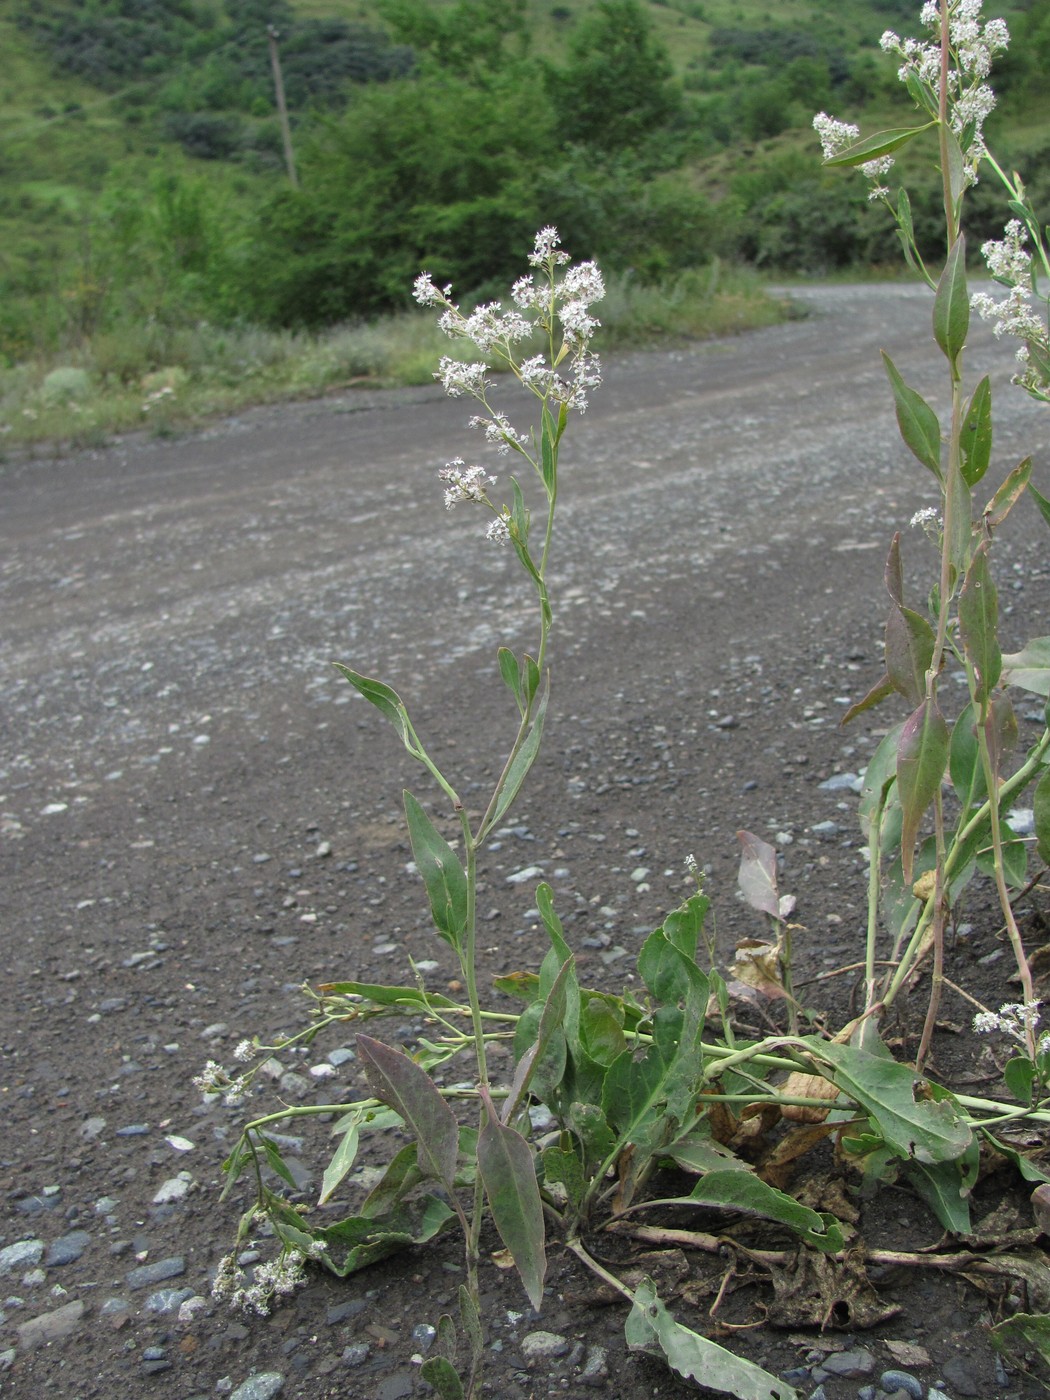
666 1074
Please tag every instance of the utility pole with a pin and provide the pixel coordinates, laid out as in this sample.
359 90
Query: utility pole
282 109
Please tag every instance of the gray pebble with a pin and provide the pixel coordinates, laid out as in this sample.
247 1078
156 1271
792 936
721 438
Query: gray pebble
852 1364
538 1346
826 831
7 1359
52 1326
67 1249
959 1374
22 1255
167 1300
424 1335
840 782
355 1355
133 1130
149 1274
892 1381
596 1368
818 1394
264 1385
342 1055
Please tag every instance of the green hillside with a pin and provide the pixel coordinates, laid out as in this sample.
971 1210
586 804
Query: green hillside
144 182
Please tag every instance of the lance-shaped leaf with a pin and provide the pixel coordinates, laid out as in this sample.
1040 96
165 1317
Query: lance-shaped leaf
1011 491
342 1160
757 878
946 1187
650 1328
951 305
880 691
918 424
549 451
912 1122
1041 811
386 701
741 1191
1030 667
881 144
964 760
975 440
508 1172
400 1083
523 759
444 877
551 1019
922 757
509 670
979 624
1042 504
909 651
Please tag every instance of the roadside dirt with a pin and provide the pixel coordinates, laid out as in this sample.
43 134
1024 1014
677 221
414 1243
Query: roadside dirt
198 814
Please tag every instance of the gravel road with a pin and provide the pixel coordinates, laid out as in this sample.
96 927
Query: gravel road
197 814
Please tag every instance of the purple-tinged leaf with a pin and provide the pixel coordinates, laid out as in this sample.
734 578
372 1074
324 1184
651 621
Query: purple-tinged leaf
758 874
403 1086
922 757
508 1172
909 652
443 875
894 571
1011 491
875 696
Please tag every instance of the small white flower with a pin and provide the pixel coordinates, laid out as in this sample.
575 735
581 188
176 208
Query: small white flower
427 294
245 1051
499 530
458 378
546 253
464 483
929 515
834 135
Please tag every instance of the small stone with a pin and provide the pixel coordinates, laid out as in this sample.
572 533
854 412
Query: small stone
595 1370
342 1055
841 782
541 1346
853 1365
167 1300
264 1385
908 1353
159 1272
1041 1207
531 872
7 1359
52 1326
826 831
355 1355
174 1189
294 1084
133 1130
959 1374
423 1335
153 1354
894 1381
67 1249
90 1129
22 1255
191 1306
179 1144
341 1312
215 1031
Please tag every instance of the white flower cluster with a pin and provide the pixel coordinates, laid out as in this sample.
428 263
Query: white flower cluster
929 515
269 1282
973 44
214 1080
543 299
1015 1019
465 483
836 137
1010 263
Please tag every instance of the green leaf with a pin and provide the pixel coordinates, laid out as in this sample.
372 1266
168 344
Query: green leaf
530 678
523 759
1041 502
552 1017
918 424
275 1161
913 1123
1015 863
508 669
946 1187
601 1031
381 995
880 691
588 1124
444 877
976 437
439 1372
401 1176
742 1191
1019 1078
881 144
549 452
1030 667
386 701
951 305
399 1082
922 757
359 1240
979 624
964 760
1041 809
650 1328
342 1160
508 1171
909 651
1030 1171
564 1168
1024 1332
699 1153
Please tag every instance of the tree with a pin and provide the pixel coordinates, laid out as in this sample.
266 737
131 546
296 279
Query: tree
617 88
